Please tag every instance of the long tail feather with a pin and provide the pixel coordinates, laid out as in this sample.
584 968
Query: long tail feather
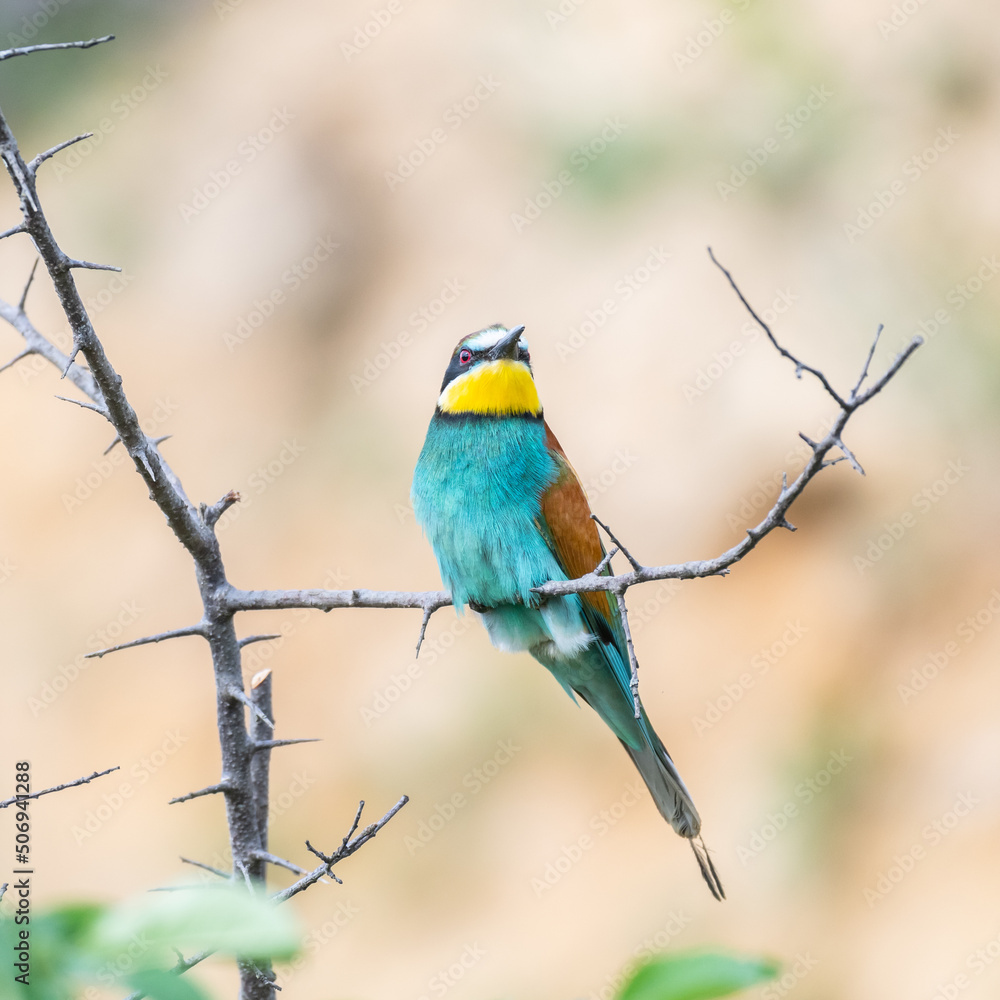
708 872
675 804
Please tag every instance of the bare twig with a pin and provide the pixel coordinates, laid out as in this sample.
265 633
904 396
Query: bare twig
258 638
209 868
26 50
211 514
273 859
87 406
58 788
775 518
346 849
327 600
176 633
621 548
800 366
216 789
89 265
428 611
27 352
868 361
239 695
261 730
275 744
632 661
34 164
606 561
38 344
27 286
182 966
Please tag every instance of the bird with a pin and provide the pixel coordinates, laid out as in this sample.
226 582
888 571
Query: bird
504 512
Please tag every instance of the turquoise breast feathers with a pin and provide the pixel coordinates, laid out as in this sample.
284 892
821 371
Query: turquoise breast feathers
477 494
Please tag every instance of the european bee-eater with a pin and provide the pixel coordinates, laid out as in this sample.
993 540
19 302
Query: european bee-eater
505 512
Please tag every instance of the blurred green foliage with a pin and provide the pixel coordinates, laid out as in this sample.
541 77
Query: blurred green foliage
132 945
696 975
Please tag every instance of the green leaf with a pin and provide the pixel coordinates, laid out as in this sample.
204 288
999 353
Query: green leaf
160 985
224 919
58 963
698 975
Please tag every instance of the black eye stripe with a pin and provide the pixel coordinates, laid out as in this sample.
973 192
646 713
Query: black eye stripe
458 367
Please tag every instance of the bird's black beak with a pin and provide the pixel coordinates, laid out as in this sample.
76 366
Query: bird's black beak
507 348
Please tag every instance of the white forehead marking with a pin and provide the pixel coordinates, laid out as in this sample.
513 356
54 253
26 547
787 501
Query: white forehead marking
490 337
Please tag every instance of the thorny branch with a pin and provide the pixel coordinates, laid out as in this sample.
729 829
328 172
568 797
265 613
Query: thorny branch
326 600
58 788
348 846
430 601
243 753
194 526
346 849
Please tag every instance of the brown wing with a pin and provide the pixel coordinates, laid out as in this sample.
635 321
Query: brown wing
575 540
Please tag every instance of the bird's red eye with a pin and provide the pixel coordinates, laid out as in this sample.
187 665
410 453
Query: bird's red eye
464 356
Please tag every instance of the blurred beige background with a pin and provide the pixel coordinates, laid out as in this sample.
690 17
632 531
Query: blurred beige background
311 202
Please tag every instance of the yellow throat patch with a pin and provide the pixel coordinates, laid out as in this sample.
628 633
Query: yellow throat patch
500 388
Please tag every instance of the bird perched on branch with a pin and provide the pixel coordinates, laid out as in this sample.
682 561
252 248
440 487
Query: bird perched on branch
505 513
